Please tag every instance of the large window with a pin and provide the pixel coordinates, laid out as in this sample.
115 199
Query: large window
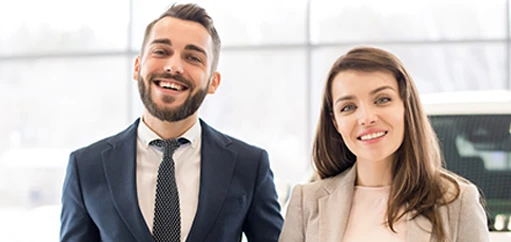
66 68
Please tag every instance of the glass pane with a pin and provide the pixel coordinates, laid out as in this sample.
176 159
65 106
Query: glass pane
478 147
34 27
371 20
262 100
237 22
508 86
50 107
435 68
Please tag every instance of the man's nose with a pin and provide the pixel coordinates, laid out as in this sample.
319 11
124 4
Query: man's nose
174 65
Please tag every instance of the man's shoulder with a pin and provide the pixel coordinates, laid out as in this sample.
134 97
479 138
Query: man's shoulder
107 142
97 145
230 141
244 145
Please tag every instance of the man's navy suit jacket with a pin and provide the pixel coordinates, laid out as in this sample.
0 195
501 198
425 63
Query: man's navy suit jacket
237 193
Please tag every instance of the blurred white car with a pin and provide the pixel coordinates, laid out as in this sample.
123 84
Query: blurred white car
474 129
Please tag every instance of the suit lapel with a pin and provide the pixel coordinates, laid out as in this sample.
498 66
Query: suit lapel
419 229
119 165
217 166
334 209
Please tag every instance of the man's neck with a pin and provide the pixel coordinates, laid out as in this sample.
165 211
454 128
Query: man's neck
169 130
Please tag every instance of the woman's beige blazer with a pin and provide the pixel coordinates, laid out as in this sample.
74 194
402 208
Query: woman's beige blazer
318 212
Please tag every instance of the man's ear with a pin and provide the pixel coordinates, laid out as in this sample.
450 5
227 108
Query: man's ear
214 83
136 68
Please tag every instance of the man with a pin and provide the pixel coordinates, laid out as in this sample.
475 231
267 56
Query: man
170 176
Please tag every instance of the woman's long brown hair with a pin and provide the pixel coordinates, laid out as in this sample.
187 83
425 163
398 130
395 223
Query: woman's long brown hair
419 182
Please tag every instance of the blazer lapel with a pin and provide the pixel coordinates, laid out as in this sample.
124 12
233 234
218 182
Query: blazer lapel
217 166
119 165
334 209
419 229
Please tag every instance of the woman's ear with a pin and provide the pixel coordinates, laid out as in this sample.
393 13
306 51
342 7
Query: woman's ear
332 117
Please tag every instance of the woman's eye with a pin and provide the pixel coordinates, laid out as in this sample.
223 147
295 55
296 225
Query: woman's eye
383 100
347 108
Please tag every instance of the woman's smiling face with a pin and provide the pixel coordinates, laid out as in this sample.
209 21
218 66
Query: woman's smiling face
369 114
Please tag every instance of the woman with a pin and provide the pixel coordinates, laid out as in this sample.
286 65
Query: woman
379 164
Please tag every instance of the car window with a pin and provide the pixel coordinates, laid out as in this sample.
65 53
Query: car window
478 147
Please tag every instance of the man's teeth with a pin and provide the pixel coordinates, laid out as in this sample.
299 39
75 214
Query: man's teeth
171 85
372 136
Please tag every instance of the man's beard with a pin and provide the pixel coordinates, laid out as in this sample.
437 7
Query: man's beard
189 107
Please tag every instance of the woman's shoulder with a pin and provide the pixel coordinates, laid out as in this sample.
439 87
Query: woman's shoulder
465 215
459 190
468 191
325 186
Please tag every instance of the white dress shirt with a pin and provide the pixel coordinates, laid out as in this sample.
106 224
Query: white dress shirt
187 163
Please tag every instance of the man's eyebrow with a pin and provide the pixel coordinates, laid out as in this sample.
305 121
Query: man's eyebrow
196 48
187 47
162 41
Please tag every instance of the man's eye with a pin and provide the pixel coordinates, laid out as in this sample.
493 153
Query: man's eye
159 52
194 59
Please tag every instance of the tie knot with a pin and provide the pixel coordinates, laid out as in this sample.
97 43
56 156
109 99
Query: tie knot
168 146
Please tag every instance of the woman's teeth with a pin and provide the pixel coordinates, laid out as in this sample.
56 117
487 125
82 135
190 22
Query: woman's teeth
372 136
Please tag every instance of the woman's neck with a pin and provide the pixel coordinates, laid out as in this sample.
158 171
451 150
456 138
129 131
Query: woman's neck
374 173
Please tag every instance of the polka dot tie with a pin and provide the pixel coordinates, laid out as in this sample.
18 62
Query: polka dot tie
167 215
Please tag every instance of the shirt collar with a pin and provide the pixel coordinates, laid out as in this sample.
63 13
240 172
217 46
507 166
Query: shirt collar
146 135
